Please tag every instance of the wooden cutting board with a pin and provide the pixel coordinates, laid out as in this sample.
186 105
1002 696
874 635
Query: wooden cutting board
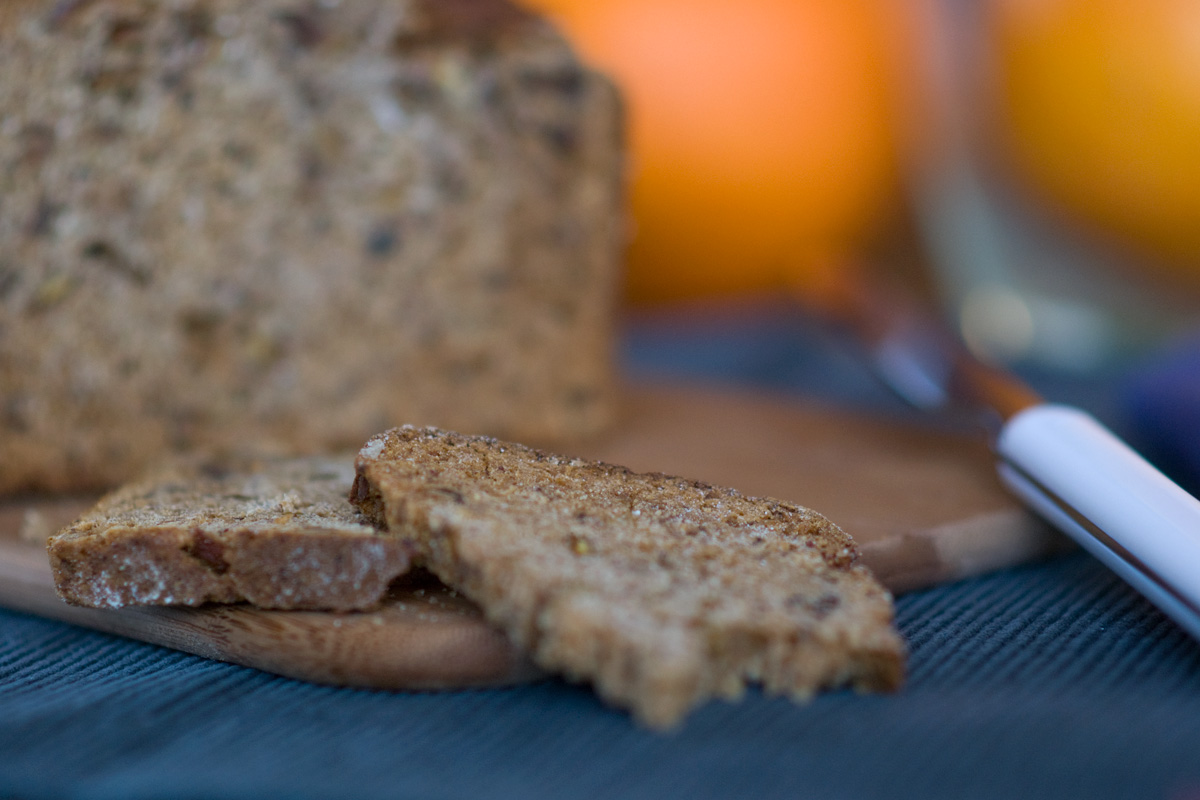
924 506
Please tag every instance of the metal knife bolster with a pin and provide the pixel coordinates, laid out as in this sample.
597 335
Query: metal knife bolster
1091 485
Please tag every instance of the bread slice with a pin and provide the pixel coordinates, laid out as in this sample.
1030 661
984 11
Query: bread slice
296 223
278 534
660 591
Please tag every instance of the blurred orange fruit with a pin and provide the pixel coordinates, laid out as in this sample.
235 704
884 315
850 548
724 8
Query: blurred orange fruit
761 133
1100 102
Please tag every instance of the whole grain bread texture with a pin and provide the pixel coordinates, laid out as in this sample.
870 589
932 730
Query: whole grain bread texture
660 591
295 223
276 533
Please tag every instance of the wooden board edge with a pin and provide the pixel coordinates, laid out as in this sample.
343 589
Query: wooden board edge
966 549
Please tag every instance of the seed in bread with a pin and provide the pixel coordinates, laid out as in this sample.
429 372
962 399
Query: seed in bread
660 591
295 223
277 534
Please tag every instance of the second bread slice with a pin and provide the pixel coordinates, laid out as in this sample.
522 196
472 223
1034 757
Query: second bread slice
276 533
658 590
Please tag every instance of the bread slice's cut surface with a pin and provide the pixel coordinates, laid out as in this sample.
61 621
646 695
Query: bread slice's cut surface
660 591
275 533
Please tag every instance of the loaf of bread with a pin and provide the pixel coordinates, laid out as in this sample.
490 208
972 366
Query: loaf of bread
292 223
658 590
278 534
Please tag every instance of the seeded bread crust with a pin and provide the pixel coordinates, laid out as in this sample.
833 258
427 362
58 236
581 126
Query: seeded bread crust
660 591
277 534
295 223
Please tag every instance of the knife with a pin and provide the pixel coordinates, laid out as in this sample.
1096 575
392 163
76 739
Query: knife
1065 465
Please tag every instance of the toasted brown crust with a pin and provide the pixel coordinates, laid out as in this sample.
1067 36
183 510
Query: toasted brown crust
277 534
661 591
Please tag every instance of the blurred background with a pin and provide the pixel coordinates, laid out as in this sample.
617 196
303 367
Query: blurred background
1031 168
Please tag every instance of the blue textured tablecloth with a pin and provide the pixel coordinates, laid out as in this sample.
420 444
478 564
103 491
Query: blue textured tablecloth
1050 680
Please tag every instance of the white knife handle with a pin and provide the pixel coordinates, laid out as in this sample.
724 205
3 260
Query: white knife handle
1122 510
